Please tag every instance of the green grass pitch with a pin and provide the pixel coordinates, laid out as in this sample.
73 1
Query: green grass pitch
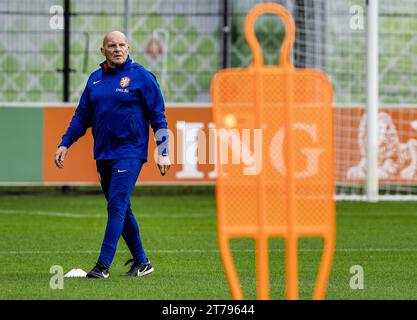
178 228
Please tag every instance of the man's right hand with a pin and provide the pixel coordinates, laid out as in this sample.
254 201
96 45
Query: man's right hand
60 155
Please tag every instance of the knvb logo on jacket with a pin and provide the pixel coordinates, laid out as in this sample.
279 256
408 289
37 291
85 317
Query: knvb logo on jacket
124 82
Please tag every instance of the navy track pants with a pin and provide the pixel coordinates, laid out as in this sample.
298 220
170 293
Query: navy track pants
118 178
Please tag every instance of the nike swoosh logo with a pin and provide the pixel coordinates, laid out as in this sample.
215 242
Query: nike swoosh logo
94 82
105 275
121 171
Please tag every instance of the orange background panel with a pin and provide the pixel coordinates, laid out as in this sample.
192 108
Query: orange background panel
79 164
347 132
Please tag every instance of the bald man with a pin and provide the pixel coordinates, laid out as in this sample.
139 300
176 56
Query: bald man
120 101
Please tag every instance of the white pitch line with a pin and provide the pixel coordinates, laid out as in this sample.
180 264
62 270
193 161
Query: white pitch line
378 215
177 251
193 215
94 216
48 214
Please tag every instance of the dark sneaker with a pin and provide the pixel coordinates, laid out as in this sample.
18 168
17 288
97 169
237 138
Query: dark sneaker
138 269
99 271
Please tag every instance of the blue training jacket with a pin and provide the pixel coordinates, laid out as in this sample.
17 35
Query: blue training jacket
119 104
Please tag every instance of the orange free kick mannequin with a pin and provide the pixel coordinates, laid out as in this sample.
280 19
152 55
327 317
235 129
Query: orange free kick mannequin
291 192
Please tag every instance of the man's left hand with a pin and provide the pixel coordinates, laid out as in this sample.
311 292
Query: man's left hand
163 164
